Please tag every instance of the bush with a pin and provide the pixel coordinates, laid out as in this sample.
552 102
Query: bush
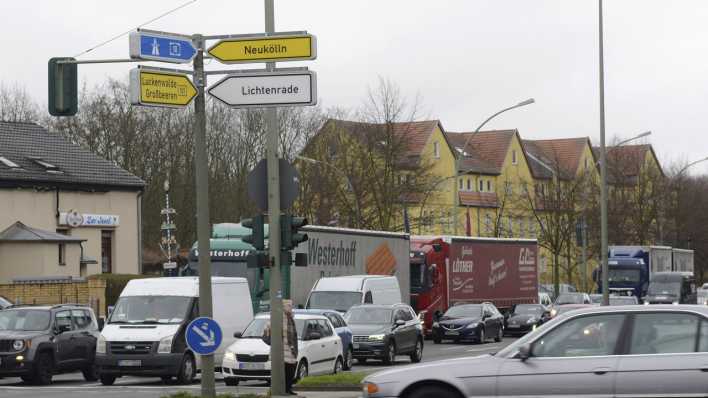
343 379
184 394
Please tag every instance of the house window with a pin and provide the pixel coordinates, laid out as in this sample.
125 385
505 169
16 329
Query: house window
489 185
532 227
436 150
62 247
469 184
107 252
508 188
586 164
520 221
488 223
513 157
460 185
481 185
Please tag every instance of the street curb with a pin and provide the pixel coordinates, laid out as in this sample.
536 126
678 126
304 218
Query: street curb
330 387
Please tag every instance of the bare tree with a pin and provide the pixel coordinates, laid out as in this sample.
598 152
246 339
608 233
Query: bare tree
16 105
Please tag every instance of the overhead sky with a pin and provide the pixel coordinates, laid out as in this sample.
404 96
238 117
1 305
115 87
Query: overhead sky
466 59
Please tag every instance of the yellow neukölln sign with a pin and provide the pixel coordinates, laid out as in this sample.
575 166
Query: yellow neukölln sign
264 49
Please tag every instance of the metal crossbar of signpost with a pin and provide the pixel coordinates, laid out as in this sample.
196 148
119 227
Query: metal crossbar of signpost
268 88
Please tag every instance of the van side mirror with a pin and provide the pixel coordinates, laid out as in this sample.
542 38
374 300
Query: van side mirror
101 323
238 335
524 352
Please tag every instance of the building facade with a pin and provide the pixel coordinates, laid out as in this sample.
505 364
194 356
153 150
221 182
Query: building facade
50 188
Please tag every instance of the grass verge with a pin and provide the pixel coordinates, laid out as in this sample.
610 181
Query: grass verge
343 379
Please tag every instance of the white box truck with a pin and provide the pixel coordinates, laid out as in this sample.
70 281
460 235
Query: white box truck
144 334
335 251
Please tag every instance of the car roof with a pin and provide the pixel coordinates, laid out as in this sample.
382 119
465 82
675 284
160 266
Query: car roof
388 306
47 307
593 309
265 315
313 311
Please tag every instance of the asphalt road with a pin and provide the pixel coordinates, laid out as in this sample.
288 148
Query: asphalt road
73 385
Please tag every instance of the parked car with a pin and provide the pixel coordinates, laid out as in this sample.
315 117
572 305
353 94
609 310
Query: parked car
623 300
319 350
596 298
342 330
659 350
545 300
385 331
702 294
465 322
4 303
342 292
572 298
562 309
37 342
525 318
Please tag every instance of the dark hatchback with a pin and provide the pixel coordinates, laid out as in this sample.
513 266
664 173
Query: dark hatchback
525 318
385 331
37 342
469 322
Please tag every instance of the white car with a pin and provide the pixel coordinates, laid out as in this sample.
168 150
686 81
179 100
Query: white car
319 350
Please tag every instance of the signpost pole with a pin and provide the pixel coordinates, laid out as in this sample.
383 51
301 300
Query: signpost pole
202 183
277 385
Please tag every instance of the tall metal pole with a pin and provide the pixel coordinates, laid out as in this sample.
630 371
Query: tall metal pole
603 173
202 177
277 372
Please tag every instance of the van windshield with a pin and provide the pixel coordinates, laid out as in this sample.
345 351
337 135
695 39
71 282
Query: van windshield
151 309
338 301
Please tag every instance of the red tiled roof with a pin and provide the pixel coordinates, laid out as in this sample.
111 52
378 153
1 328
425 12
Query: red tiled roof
562 154
479 199
485 152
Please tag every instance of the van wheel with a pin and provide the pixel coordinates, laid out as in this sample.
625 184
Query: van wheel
187 370
338 365
390 354
43 369
107 380
231 381
349 359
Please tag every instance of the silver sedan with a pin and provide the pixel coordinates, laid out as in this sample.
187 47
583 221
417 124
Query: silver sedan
628 351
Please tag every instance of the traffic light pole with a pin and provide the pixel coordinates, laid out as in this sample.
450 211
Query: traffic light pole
202 183
277 378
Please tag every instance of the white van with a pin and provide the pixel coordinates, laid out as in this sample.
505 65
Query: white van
144 335
342 292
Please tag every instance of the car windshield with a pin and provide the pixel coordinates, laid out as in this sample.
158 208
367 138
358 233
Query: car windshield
528 309
570 299
623 300
151 309
464 311
364 315
339 301
255 329
623 275
24 320
664 288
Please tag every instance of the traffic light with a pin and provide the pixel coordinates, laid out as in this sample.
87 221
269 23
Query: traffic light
290 231
258 258
63 88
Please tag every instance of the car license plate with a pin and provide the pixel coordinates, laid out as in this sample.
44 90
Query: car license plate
356 346
452 333
130 362
251 366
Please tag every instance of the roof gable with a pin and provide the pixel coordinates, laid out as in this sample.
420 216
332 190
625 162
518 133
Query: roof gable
562 154
47 158
485 152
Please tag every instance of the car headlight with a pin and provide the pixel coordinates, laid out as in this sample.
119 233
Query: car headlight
531 320
230 356
165 346
18 345
377 337
675 303
369 388
554 312
101 345
471 326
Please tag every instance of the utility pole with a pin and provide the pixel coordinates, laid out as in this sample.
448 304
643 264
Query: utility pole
603 173
202 183
277 371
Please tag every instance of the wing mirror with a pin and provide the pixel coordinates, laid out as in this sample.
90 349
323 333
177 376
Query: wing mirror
400 322
59 329
101 323
524 352
238 335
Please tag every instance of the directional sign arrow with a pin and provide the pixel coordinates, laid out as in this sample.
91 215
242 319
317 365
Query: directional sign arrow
259 48
267 89
159 88
203 335
161 47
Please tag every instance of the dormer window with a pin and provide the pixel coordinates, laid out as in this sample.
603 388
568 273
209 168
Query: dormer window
9 163
48 167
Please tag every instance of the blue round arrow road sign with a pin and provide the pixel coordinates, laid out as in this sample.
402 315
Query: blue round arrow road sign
203 335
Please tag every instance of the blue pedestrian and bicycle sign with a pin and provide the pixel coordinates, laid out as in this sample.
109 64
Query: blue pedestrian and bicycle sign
163 47
203 335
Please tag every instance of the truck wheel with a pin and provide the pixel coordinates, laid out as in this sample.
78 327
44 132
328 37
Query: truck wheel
390 353
231 381
417 354
349 359
186 370
107 380
43 369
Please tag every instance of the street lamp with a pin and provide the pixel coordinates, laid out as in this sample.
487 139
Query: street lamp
346 177
458 159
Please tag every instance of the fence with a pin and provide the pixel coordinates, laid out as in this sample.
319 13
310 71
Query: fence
91 292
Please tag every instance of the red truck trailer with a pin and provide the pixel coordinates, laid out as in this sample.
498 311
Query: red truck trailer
449 270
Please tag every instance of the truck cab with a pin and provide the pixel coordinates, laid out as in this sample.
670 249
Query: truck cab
428 275
671 288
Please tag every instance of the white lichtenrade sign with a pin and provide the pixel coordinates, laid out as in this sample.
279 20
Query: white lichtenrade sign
75 219
267 89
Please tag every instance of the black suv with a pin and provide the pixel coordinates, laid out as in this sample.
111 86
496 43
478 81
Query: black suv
384 331
39 341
